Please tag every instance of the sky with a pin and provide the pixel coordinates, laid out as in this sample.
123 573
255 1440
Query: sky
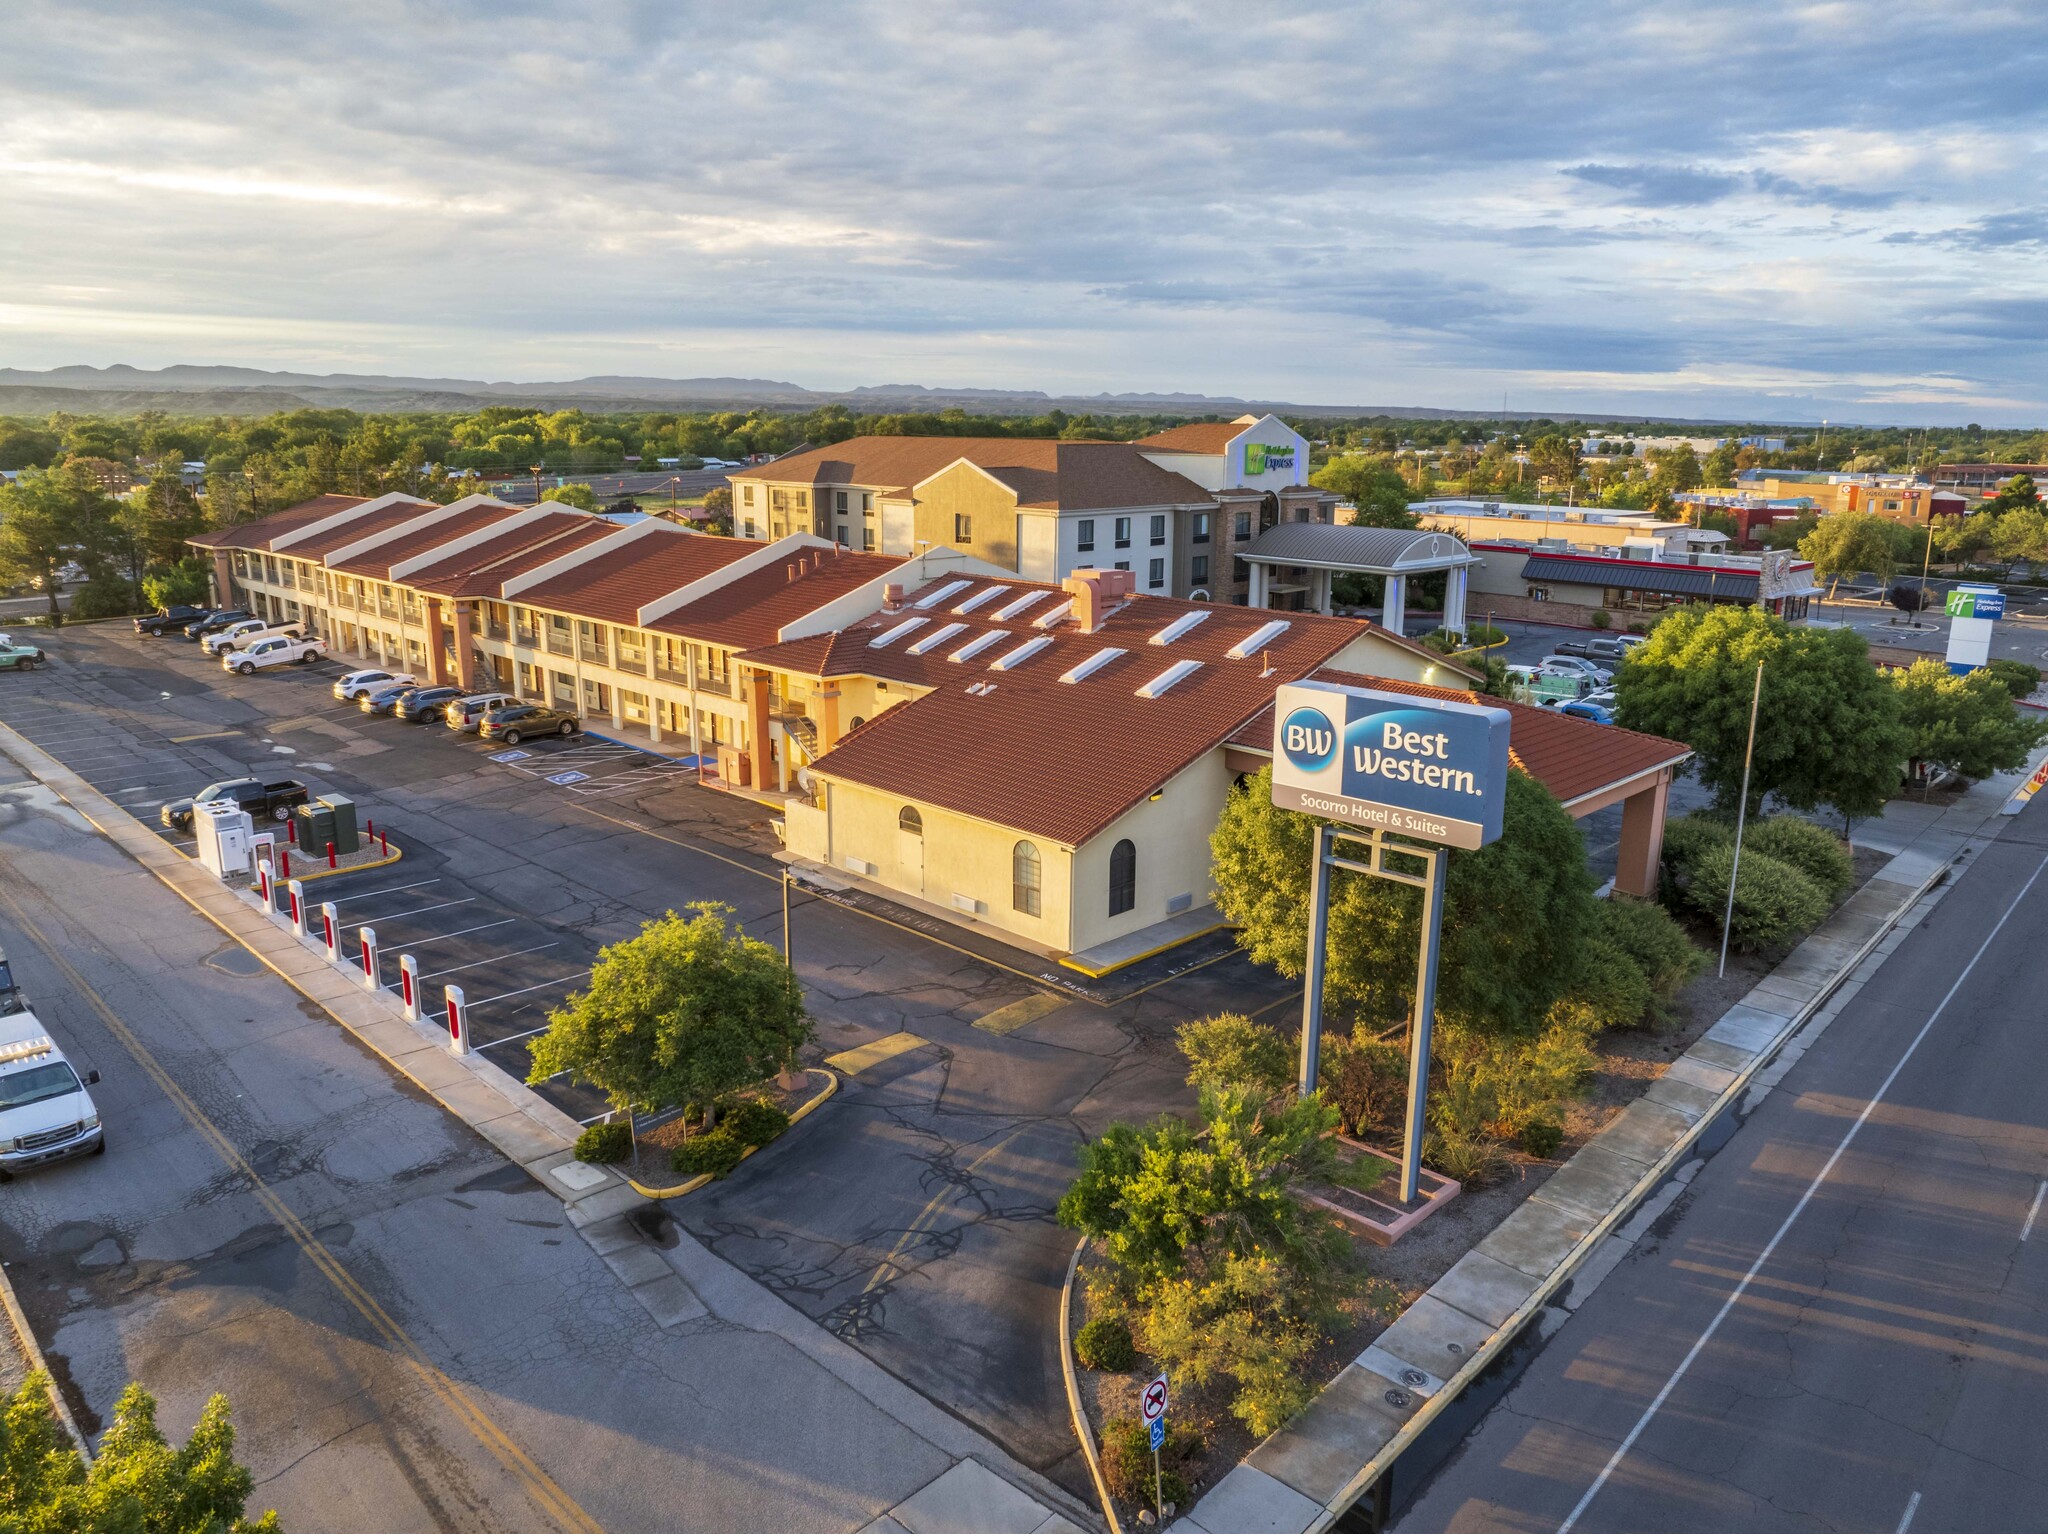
1782 211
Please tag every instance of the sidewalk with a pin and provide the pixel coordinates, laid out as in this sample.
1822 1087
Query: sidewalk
1305 1477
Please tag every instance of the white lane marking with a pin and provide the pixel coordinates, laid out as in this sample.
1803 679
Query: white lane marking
1906 1521
1742 1288
391 889
496 958
2034 1211
459 932
507 995
409 915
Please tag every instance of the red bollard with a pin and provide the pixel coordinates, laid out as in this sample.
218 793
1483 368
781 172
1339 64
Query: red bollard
285 862
371 826
330 854
386 840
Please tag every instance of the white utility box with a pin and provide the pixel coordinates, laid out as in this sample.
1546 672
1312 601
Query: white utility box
225 836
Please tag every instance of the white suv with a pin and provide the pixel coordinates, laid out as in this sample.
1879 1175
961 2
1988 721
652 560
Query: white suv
46 1113
351 687
464 714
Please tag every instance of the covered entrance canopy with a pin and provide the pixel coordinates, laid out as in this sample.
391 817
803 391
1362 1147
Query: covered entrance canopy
1396 554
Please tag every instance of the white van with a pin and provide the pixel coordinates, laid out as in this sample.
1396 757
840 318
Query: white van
463 714
46 1113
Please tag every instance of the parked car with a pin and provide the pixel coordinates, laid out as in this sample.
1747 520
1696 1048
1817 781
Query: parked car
277 650
214 622
239 636
424 703
11 999
1573 665
263 801
1586 708
155 624
46 1113
516 721
1614 647
20 657
383 698
351 687
464 714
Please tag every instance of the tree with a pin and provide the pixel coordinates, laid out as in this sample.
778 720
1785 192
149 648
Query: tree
1721 466
579 495
683 1013
1847 543
1370 484
1555 458
718 506
138 1484
1675 469
1966 723
1787 533
1515 911
49 518
1828 730
159 517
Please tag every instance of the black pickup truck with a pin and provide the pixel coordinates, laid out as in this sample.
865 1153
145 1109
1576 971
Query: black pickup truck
165 618
11 999
274 801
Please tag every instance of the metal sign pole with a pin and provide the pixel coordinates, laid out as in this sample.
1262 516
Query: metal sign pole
1425 1018
1318 940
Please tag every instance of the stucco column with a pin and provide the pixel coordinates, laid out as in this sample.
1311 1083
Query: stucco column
826 701
1642 838
1257 595
223 577
1325 579
758 744
465 645
1397 602
437 651
1454 598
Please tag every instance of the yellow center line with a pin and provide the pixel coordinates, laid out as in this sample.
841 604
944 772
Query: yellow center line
917 1225
550 1497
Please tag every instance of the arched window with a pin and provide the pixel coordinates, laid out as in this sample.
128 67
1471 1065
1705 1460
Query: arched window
857 722
1123 877
909 820
1024 878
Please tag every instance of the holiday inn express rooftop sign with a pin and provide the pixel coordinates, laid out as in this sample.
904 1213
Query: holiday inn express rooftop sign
1388 762
1260 458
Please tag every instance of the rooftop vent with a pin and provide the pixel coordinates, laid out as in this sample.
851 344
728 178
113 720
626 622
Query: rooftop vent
976 645
986 594
934 598
1010 610
1092 664
1051 615
890 635
1258 639
1178 671
935 638
1178 627
892 597
1021 654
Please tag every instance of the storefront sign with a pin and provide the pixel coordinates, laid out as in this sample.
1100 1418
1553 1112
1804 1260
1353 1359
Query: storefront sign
1431 770
1260 458
1975 602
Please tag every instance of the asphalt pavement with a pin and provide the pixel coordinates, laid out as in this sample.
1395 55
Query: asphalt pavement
1838 1324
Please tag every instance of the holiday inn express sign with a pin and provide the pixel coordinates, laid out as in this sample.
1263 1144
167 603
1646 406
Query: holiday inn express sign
1387 762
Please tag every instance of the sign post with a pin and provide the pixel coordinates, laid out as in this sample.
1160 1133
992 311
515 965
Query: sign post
1154 1406
1386 765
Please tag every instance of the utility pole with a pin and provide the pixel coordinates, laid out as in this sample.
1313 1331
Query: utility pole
536 482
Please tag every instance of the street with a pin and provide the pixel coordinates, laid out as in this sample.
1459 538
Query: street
1837 1325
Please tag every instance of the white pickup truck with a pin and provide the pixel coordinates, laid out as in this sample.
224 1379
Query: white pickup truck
241 635
46 1113
277 650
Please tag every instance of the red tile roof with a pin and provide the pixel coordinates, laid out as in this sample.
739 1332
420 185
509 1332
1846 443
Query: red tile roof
1069 476
257 534
751 610
1200 437
320 545
482 571
1571 757
614 586
377 562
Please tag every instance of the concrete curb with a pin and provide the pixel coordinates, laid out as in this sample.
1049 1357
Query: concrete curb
831 1086
1307 1476
1083 1433
526 1130
32 1352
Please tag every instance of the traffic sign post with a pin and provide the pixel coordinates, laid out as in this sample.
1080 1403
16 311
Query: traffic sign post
1153 1404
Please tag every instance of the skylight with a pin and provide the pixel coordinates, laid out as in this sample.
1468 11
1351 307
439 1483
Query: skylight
1178 627
1180 670
1258 639
1010 610
935 638
890 636
987 594
1051 616
1092 664
934 598
1021 654
976 645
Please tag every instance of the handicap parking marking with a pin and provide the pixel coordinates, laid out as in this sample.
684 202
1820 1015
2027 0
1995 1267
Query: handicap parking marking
564 779
510 756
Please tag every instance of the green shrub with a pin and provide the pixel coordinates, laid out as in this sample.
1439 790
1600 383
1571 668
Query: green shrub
1105 1343
716 1151
1667 958
1368 1081
2020 679
1691 837
106 595
752 1121
1603 619
1473 1160
1775 904
1479 635
1127 1461
1541 1138
605 1143
1814 850
1611 985
1639 627
169 585
1230 1050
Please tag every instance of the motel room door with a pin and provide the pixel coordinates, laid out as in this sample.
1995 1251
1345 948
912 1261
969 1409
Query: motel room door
910 849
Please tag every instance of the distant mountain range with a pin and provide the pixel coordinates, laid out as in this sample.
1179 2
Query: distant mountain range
191 390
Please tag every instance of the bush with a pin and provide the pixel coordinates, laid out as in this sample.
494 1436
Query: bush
1368 1081
1639 627
1473 1160
1603 619
1482 634
1231 1050
752 1121
1105 1343
1127 1461
1611 985
2020 679
1775 904
716 1151
1541 1138
605 1143
106 595
1814 850
170 585
1667 958
1691 837
1244 1324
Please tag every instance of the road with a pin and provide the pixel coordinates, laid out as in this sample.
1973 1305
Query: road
913 1217
608 487
1839 1325
411 1335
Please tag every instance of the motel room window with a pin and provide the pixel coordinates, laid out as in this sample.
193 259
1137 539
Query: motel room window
1123 564
1123 877
1123 532
909 821
1240 569
803 500
1198 569
1155 573
1242 525
839 502
750 527
1201 532
842 537
1084 535
1158 531
1024 878
963 528
746 495
867 539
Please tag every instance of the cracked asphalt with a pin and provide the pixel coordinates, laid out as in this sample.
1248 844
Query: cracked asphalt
913 1216
1887 1366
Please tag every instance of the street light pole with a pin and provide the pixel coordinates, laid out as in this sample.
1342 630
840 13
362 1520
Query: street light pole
536 482
1741 817
1925 560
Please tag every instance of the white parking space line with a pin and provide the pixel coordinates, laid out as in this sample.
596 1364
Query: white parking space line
459 932
1906 1520
496 958
508 995
2034 1212
391 889
421 910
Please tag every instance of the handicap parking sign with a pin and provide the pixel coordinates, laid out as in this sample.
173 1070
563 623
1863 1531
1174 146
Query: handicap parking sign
510 756
1158 1433
564 779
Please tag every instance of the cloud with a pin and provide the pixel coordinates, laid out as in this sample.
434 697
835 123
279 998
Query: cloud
1995 231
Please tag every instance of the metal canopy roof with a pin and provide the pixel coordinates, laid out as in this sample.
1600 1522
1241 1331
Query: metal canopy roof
1672 580
1364 550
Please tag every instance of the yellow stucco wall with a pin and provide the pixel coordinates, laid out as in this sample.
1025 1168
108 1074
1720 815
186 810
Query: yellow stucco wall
1171 835
964 490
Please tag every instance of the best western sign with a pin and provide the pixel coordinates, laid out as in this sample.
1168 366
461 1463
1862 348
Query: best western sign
1430 770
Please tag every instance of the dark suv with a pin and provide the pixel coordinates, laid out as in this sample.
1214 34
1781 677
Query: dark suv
213 623
424 703
516 721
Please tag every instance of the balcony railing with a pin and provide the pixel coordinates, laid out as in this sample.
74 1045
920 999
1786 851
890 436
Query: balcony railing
558 644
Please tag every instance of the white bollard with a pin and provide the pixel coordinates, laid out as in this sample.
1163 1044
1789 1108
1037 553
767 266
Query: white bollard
266 886
298 893
458 1022
409 986
330 928
368 937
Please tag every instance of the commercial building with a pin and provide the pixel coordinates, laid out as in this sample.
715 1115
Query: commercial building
1895 497
1985 479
